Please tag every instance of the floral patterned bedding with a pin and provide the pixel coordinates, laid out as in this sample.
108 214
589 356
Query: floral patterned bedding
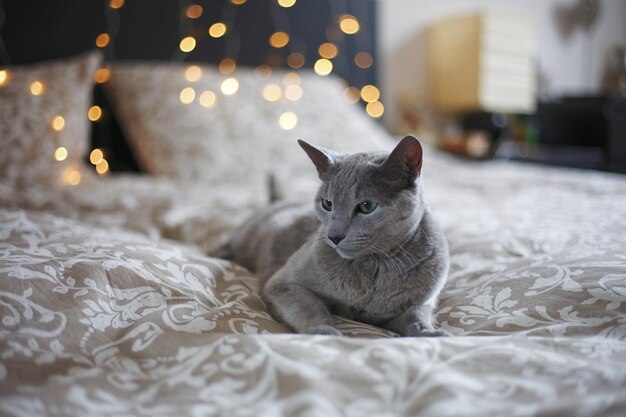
110 307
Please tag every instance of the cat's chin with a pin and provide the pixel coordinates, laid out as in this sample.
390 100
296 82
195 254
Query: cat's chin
347 254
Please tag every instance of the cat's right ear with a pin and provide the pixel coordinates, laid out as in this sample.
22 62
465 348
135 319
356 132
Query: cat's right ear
321 158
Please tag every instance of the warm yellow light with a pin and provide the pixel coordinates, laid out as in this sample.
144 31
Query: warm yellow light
227 66
193 73
263 72
272 92
323 67
279 39
102 167
229 86
102 75
95 113
4 77
286 3
327 50
349 24
194 11
217 30
60 154
363 60
295 60
375 109
36 88
288 120
116 4
293 92
238 2
369 93
58 123
187 44
352 94
291 78
187 95
103 40
71 176
208 99
96 156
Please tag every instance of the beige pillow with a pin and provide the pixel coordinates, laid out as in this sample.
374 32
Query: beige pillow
218 138
43 108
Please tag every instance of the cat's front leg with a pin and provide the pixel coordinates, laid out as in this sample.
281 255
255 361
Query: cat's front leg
298 307
415 321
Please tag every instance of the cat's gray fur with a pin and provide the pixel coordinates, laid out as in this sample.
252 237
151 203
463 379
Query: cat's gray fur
389 268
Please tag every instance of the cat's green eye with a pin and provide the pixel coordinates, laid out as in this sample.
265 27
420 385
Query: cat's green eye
327 204
367 206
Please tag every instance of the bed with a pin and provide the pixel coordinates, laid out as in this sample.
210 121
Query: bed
110 305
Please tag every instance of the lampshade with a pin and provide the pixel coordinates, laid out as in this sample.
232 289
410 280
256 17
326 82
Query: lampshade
482 62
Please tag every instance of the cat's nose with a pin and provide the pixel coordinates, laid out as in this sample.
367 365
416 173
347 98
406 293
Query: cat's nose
336 239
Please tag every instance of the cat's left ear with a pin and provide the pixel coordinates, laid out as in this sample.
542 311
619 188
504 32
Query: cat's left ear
404 162
322 158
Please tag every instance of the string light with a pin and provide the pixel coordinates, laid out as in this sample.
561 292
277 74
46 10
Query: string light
103 40
263 72
227 66
370 94
102 167
323 67
96 156
293 92
116 4
95 113
272 92
279 39
295 60
286 3
229 86
375 109
4 77
187 44
187 95
37 88
60 154
58 123
328 50
102 75
193 73
217 30
71 176
208 99
363 60
194 11
348 24
352 94
288 120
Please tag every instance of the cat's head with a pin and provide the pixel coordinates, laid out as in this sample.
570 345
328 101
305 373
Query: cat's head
368 202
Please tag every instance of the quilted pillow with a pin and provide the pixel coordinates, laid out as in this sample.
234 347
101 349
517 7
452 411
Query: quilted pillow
43 121
191 130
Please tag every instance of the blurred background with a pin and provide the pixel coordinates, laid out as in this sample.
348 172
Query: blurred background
534 80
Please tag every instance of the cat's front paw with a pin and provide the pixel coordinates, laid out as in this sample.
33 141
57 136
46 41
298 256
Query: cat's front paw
434 333
322 329
416 330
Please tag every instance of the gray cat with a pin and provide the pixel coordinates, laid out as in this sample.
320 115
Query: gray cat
369 251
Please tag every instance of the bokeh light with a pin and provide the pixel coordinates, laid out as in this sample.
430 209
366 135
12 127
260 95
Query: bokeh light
116 4
4 77
217 30
208 99
102 75
102 167
37 88
187 95
194 11
375 109
279 39
238 2
263 72
286 3
96 156
272 92
363 60
193 73
349 24
293 92
60 154
323 67
369 93
103 40
187 44
95 113
227 66
295 60
328 50
58 123
229 86
71 176
288 120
